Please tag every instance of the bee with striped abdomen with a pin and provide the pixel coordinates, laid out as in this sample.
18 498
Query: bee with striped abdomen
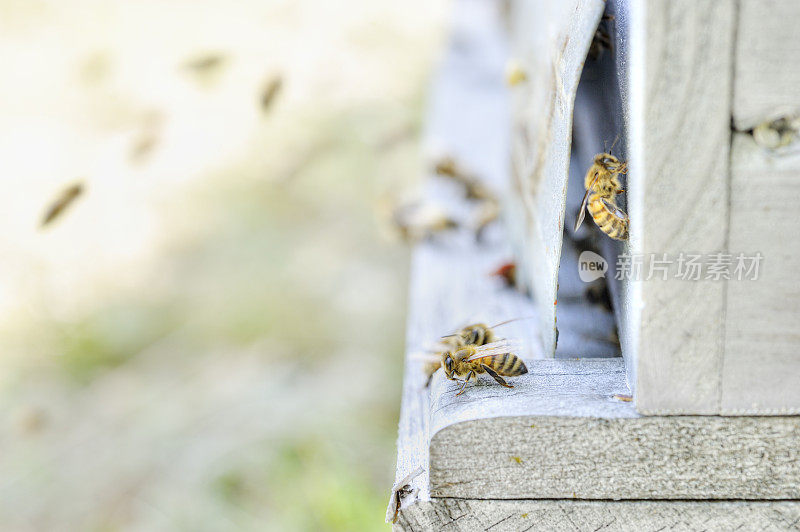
602 186
496 359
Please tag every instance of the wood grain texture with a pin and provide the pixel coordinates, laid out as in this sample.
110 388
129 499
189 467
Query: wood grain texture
761 372
767 62
643 458
549 40
678 199
455 515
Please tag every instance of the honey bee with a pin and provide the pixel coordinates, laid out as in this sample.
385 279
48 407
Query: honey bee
64 199
515 74
488 212
475 335
495 358
474 189
270 91
421 221
602 186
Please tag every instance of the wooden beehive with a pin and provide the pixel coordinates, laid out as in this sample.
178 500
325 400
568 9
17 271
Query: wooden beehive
682 85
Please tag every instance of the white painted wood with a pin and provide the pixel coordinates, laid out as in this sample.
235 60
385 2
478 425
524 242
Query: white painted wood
681 87
564 431
561 433
761 371
549 40
456 515
767 62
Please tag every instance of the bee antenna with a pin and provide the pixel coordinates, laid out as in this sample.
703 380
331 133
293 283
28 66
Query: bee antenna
614 144
512 319
450 335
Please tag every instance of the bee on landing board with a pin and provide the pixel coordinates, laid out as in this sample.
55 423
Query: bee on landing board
472 336
602 186
496 359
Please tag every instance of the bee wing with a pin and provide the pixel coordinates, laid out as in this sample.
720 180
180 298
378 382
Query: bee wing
582 212
493 349
613 209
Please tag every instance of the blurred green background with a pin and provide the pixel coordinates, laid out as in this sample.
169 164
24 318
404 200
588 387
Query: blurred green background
211 336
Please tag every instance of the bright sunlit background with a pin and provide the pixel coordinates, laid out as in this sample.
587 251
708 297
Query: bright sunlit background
209 337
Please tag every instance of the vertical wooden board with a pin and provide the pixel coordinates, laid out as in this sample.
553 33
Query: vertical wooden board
761 372
767 62
549 41
679 199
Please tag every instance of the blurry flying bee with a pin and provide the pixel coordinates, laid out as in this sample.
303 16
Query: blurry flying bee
204 63
488 212
602 186
206 69
64 199
496 359
421 221
270 91
515 74
475 190
147 138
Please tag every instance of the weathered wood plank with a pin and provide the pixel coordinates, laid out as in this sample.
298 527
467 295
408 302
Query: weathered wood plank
549 41
560 515
761 372
767 62
562 433
678 199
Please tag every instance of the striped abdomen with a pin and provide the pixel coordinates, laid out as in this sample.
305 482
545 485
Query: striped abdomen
507 364
608 217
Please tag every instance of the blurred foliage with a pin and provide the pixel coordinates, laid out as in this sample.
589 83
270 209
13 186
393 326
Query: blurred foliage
211 338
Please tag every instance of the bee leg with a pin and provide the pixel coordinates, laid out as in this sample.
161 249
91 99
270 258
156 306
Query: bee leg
496 377
466 380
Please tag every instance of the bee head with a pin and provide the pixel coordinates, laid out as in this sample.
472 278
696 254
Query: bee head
448 365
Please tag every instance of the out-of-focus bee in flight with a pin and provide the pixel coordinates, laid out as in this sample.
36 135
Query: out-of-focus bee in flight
205 62
474 189
488 205
488 212
270 91
496 359
515 74
421 221
147 138
60 204
602 186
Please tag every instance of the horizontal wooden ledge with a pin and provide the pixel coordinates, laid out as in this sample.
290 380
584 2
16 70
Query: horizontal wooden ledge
561 434
535 515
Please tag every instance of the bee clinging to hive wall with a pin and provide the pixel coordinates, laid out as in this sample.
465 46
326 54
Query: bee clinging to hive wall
602 186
